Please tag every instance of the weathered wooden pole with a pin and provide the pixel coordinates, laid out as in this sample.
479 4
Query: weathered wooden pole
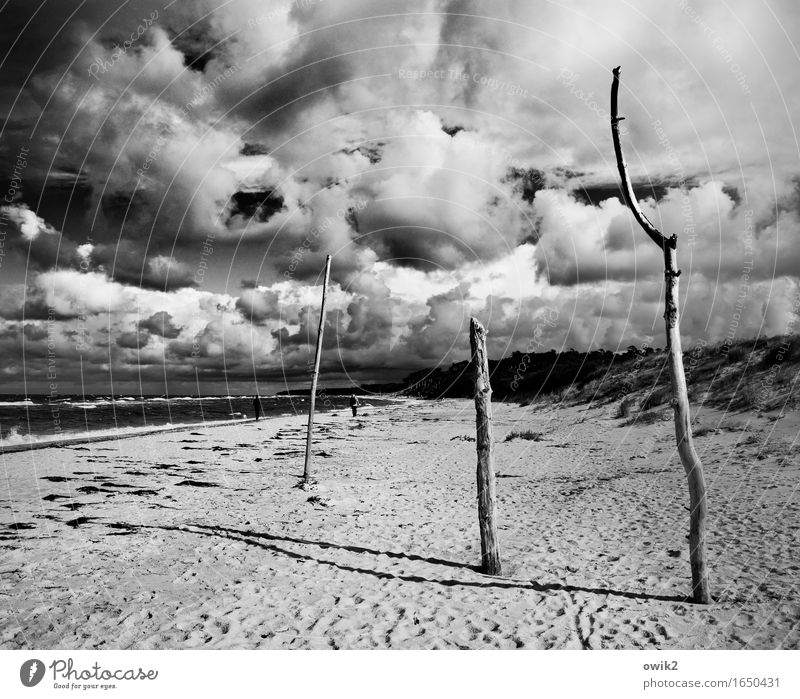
487 500
680 396
307 478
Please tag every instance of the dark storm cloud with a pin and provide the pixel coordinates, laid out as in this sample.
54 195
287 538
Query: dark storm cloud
28 237
527 181
434 336
452 130
258 305
34 333
258 206
123 263
597 193
309 70
253 149
126 113
133 340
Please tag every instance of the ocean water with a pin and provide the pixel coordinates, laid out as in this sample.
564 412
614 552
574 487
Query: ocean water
23 419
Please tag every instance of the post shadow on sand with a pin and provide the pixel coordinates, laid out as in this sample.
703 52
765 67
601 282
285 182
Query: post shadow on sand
252 539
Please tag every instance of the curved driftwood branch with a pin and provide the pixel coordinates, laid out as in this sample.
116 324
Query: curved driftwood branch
680 395
627 188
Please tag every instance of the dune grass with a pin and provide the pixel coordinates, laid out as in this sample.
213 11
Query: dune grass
530 435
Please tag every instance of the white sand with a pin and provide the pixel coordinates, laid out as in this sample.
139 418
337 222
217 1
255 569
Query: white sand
593 536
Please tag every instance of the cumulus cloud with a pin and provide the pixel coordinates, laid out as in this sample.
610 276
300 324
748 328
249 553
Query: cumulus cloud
258 305
29 225
160 324
718 237
133 340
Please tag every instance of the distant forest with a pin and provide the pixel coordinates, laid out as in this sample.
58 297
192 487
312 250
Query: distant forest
746 374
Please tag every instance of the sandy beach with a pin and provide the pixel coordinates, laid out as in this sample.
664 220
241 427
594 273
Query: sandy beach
198 538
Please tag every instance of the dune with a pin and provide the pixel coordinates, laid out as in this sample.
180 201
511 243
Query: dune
143 544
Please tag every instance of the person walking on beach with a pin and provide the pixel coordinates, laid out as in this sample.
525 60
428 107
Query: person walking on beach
257 407
354 404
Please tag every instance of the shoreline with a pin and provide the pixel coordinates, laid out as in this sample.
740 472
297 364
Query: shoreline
103 436
46 441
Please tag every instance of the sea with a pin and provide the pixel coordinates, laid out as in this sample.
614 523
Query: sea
25 419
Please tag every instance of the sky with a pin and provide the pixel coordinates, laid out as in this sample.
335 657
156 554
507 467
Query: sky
176 172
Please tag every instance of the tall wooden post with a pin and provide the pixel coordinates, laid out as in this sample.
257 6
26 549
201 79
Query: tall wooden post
307 479
680 396
487 500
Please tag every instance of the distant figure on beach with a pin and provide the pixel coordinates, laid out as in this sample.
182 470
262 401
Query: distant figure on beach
257 407
354 404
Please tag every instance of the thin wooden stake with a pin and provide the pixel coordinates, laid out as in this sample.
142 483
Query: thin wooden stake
487 501
307 468
680 395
